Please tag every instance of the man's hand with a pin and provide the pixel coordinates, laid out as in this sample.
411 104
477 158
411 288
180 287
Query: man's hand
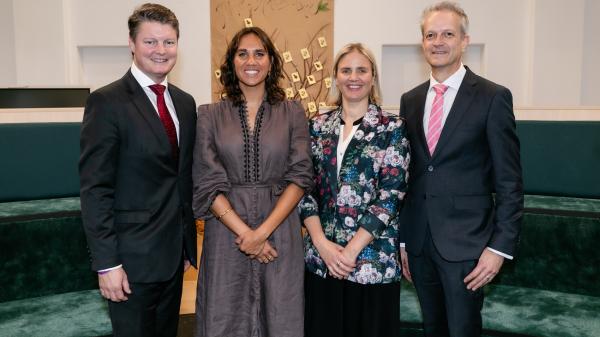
488 266
114 285
404 261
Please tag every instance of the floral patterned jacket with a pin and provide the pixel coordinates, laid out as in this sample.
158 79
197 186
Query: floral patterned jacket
372 181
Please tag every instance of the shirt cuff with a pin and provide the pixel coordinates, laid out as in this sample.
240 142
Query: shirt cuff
402 245
109 269
500 253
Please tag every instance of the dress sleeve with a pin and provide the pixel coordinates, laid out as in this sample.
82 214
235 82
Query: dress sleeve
392 186
208 174
309 204
300 170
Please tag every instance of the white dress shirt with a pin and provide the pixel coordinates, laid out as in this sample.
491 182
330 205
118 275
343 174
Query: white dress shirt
453 82
146 82
343 143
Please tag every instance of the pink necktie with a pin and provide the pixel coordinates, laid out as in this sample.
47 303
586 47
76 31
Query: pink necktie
165 118
435 117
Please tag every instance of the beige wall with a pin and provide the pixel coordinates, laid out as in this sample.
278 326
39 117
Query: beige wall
545 51
104 23
51 37
557 52
8 75
590 91
39 42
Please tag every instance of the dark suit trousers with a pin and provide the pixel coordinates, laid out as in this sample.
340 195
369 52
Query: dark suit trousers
449 309
152 309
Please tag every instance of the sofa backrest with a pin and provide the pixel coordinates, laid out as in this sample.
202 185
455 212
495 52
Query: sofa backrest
560 158
39 160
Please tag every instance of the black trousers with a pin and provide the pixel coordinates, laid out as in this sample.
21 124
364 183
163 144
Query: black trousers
152 309
339 308
449 308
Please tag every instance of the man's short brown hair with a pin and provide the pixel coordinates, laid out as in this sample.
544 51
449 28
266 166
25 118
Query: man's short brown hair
149 12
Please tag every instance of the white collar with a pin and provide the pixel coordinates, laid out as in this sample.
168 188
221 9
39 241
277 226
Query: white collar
453 81
143 79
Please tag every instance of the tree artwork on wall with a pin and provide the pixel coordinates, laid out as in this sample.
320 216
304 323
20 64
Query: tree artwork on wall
302 31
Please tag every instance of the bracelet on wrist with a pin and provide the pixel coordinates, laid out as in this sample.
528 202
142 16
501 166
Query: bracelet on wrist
224 213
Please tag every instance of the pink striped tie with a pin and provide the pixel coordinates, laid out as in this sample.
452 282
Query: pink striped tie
435 117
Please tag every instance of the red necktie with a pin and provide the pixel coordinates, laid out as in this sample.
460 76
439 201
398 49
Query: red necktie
435 117
165 118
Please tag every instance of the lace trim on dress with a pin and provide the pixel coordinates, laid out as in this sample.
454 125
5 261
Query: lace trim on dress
251 143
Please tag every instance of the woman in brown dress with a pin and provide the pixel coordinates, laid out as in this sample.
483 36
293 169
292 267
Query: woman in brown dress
251 167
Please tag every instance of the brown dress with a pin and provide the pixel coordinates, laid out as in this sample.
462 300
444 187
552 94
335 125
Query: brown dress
238 296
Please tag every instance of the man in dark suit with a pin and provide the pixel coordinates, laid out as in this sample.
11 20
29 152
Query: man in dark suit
464 148
136 187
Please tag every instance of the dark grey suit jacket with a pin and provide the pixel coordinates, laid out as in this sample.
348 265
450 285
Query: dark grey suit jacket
135 199
453 190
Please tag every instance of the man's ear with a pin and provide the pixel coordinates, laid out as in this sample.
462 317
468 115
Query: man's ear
465 41
131 45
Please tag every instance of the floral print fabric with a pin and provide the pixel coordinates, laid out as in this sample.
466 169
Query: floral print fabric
368 192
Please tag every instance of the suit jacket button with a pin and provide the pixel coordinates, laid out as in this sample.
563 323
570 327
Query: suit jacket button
430 168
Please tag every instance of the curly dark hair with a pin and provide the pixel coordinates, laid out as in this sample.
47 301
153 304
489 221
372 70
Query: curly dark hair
231 87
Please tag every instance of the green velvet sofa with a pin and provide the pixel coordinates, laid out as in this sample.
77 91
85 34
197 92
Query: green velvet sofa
551 288
47 287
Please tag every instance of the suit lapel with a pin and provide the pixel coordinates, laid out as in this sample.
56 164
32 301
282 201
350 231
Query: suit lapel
330 140
461 104
185 126
145 109
420 98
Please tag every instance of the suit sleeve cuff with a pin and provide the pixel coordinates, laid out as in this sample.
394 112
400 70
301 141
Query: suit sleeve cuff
102 271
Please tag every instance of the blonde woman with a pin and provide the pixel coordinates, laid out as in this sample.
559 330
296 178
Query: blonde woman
361 156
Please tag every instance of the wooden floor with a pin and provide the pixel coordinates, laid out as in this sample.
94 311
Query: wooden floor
188 299
190 278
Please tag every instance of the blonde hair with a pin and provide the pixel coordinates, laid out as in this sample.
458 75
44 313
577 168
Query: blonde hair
335 97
